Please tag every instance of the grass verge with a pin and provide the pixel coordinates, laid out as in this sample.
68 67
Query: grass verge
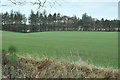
30 67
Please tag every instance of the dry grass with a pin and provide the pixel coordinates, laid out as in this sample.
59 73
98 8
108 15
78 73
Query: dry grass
29 67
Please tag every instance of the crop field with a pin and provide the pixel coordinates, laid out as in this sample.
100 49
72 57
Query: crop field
97 48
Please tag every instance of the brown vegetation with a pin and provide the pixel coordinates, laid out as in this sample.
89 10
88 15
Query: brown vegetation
26 67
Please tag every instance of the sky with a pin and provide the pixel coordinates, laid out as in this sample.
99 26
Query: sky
107 9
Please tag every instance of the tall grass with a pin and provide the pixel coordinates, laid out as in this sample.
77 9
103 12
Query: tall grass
57 68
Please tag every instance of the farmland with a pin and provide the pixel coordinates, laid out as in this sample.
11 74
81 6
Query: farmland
98 48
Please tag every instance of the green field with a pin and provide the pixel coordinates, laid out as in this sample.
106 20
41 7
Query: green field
98 48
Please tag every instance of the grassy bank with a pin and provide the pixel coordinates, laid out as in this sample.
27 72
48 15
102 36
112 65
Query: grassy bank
30 67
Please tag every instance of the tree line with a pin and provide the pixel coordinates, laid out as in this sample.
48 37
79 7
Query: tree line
39 22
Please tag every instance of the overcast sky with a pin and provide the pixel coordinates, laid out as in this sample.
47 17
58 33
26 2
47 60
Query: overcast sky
107 9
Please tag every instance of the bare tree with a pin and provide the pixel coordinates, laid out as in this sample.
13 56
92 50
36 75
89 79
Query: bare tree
40 3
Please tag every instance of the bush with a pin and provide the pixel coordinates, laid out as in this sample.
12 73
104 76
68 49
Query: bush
12 49
4 51
13 56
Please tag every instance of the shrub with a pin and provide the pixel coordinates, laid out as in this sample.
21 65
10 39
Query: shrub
13 56
4 51
12 49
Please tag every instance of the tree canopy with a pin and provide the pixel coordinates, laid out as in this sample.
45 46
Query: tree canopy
38 22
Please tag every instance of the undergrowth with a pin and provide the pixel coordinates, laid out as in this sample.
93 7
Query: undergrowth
28 67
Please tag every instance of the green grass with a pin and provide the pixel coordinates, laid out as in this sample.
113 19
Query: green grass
99 48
